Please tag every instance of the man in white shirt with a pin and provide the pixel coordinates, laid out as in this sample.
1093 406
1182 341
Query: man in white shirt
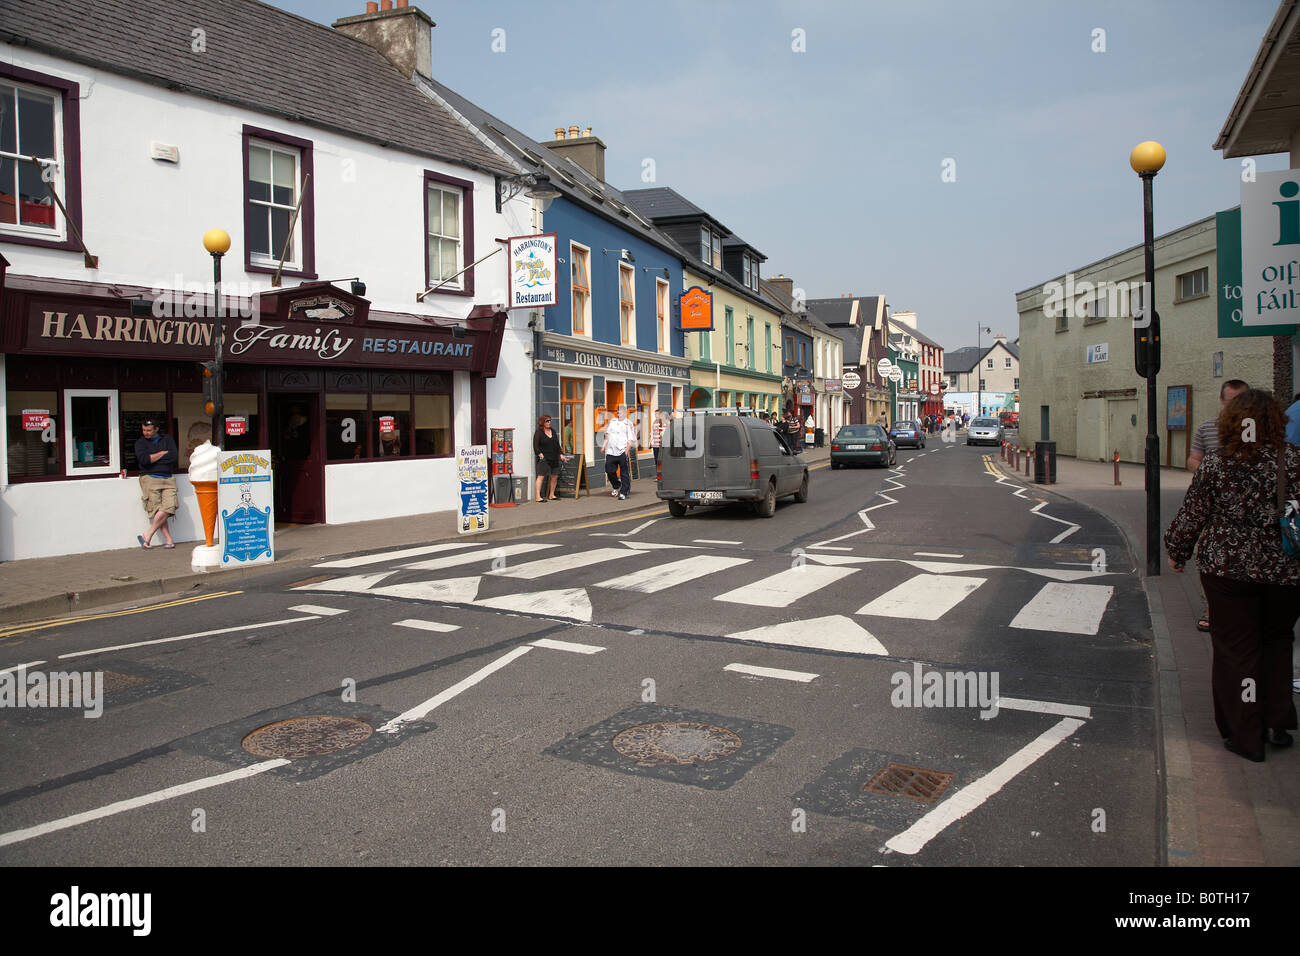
620 436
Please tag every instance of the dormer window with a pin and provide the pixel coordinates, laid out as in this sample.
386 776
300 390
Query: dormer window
751 272
711 247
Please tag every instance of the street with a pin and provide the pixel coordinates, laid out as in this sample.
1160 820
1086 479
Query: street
925 665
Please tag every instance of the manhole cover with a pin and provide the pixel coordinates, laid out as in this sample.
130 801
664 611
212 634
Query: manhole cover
307 737
914 783
115 682
676 742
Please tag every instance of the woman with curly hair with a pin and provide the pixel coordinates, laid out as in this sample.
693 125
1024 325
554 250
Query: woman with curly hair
1253 588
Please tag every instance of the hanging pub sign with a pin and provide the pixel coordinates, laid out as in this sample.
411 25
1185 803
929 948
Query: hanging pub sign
532 271
36 419
236 426
697 310
851 381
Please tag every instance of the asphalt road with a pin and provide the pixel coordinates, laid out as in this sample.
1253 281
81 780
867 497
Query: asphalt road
716 689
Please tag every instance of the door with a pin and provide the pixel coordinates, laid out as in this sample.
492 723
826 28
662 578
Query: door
297 458
1122 431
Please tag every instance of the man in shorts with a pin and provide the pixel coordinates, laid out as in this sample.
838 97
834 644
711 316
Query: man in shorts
157 458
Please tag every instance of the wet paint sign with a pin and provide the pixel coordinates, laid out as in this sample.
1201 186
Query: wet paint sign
36 419
472 501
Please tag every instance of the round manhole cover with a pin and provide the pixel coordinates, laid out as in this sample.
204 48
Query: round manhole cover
307 736
676 742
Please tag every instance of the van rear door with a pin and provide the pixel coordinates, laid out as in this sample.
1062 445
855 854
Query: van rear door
726 465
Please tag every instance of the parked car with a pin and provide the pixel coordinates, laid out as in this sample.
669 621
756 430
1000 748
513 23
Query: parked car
907 433
862 445
984 431
1009 419
714 459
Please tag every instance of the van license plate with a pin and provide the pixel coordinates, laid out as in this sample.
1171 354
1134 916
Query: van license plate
857 448
704 495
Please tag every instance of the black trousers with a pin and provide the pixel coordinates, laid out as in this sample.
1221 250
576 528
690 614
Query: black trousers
1252 629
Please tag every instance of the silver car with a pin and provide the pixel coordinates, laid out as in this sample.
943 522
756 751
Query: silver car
984 431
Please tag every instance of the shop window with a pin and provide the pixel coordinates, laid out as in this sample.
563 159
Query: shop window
191 426
572 430
139 407
645 400
390 421
241 405
433 434
91 431
32 425
277 181
346 434
449 233
38 117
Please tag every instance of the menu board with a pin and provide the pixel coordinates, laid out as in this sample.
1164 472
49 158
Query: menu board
573 476
472 502
245 497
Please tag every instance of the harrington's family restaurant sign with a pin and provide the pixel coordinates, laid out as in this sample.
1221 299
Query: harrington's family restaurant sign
532 271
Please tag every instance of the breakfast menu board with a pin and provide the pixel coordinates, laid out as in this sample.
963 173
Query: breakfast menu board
244 503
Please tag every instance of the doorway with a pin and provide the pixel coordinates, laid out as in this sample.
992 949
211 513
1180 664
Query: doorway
297 457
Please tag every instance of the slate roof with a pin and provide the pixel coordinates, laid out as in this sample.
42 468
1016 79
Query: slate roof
834 311
256 57
963 359
777 296
921 337
666 205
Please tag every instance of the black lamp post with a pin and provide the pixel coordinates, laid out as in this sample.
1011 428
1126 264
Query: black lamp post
979 368
217 242
1147 159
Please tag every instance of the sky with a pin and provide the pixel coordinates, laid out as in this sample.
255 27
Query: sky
820 131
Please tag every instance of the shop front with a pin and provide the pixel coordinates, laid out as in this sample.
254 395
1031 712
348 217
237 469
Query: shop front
362 410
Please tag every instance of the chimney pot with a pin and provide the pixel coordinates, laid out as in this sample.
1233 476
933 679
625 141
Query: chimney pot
386 5
402 3
588 132
573 132
559 132
372 6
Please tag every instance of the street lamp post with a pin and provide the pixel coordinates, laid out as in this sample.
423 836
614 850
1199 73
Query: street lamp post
217 242
979 368
1147 159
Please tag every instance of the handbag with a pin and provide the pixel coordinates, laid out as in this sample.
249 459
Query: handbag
1288 519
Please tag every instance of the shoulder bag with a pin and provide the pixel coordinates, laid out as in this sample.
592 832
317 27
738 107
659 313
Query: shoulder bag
1287 518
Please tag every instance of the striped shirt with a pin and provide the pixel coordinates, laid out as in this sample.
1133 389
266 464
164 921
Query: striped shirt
1206 438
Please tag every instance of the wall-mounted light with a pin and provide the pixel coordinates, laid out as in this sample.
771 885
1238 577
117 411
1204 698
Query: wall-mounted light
358 287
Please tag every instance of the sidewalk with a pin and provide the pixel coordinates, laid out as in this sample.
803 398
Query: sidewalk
49 587
1221 810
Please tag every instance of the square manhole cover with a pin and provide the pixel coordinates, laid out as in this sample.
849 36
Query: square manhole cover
914 783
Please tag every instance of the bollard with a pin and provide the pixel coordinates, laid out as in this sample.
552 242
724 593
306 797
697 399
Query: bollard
1047 464
1117 481
1029 459
1004 451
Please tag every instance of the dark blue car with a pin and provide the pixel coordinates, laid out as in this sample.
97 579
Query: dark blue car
907 433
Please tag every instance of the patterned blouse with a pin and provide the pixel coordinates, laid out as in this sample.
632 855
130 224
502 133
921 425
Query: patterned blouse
1230 507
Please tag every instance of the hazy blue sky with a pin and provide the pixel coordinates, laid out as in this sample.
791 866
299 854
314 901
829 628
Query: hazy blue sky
829 161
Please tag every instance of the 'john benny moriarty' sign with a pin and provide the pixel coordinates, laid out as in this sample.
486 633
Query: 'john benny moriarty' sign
269 343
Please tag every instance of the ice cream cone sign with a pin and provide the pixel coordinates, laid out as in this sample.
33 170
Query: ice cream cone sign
205 470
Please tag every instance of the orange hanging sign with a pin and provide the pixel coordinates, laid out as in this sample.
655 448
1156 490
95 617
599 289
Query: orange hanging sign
697 310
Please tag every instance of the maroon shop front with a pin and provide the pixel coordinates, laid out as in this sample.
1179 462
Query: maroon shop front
313 375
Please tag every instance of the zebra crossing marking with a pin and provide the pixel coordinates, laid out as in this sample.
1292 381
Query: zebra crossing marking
924 597
662 576
802 677
568 603
469 557
394 555
446 590
1068 608
427 625
569 646
785 587
835 632
562 562
317 609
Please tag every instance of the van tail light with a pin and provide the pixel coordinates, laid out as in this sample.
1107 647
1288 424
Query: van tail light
875 448
753 469
835 447
659 471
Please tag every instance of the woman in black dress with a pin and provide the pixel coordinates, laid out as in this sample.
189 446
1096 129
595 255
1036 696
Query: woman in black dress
547 449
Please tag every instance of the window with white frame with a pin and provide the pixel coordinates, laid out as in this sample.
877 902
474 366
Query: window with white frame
443 246
1017 385
1006 362
711 247
31 124
1193 284
626 304
580 288
988 363
662 313
273 185
90 423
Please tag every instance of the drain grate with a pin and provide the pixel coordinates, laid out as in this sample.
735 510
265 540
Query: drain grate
679 743
914 783
115 682
307 737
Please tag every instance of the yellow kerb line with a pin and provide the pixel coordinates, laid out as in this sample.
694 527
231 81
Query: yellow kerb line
598 524
59 622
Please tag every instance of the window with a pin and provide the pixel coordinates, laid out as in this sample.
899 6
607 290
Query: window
645 401
90 431
580 258
711 247
731 337
748 273
39 116
432 428
982 385
346 432
277 176
989 363
1192 285
750 362
32 422
1017 385
360 426
572 430
139 407
626 305
1007 362
767 345
706 340
1062 323
753 273
449 233
661 313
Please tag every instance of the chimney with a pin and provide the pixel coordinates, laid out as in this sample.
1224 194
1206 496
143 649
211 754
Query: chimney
1000 337
783 285
583 148
401 34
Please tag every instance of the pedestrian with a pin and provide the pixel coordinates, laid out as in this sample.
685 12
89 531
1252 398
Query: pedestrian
547 449
657 433
1205 441
620 439
157 457
1230 517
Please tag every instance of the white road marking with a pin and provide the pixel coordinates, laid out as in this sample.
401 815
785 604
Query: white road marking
1045 707
567 646
654 546
485 554
570 603
18 836
1064 534
936 554
395 555
1068 608
17 667
662 576
624 534
924 597
562 562
421 710
829 547
914 838
832 633
354 582
893 477
186 637
836 558
711 541
802 677
427 625
448 590
785 587
939 567
317 609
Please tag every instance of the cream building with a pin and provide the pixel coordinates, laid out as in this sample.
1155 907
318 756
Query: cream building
1078 384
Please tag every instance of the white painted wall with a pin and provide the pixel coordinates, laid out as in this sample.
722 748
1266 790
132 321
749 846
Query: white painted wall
365 491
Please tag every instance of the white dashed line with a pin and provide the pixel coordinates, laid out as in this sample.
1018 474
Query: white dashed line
935 554
567 646
17 667
711 541
1044 707
317 609
800 676
421 710
427 625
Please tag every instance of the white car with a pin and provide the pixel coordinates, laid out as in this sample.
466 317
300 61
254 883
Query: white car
984 430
